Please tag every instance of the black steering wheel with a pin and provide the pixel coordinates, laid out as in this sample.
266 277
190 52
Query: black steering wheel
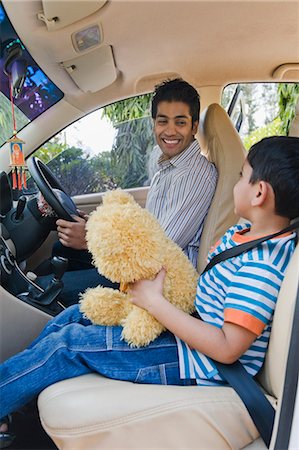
52 190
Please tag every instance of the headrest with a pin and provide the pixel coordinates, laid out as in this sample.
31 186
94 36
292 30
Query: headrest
223 146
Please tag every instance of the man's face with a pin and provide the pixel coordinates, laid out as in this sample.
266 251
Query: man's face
173 127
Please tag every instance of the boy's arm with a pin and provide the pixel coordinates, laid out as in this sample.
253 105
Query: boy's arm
224 344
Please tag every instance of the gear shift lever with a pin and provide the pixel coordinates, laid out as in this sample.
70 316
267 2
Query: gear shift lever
59 265
51 292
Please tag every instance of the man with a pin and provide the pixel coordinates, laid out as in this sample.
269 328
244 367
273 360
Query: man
180 193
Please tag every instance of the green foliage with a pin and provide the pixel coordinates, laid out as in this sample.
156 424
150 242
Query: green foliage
273 128
288 96
134 139
77 172
128 109
50 150
269 95
133 144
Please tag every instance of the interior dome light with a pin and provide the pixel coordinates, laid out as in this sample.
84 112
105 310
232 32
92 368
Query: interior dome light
88 38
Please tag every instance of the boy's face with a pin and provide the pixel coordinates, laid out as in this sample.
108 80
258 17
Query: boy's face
173 127
243 192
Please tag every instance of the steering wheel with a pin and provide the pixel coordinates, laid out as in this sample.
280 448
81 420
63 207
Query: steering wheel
52 190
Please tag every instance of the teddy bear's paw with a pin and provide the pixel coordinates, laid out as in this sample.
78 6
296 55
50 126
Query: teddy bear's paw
104 306
140 328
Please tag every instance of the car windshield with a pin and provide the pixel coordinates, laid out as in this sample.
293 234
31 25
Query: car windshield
23 80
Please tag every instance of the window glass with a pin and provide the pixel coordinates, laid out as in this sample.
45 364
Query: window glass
33 92
259 110
109 148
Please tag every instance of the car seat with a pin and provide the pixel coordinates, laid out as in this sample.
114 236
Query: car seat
222 145
93 412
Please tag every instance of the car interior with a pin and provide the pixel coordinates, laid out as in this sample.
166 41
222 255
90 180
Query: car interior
92 54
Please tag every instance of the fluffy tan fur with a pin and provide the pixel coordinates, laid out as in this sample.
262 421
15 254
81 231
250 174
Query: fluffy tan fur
128 244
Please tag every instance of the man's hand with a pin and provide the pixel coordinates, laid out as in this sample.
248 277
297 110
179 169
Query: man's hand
73 234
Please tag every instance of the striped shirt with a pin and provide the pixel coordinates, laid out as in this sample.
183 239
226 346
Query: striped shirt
180 196
241 290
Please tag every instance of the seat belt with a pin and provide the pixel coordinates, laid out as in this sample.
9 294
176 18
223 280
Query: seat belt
242 248
254 399
260 409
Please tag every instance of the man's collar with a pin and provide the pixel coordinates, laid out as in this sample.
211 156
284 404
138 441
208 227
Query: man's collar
182 158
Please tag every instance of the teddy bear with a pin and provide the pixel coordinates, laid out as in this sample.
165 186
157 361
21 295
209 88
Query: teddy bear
128 244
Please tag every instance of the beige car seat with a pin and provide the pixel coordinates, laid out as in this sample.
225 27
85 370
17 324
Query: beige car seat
222 145
93 412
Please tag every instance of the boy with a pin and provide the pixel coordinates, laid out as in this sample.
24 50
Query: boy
235 300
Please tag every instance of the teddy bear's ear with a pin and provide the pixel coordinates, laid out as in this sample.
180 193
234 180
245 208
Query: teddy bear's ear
125 242
118 196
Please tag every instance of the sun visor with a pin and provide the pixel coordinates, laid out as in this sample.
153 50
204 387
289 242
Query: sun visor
59 14
94 70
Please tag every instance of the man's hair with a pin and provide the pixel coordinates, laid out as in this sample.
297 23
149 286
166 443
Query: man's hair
276 161
177 90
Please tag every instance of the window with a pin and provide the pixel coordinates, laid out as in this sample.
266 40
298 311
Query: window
259 110
109 148
33 92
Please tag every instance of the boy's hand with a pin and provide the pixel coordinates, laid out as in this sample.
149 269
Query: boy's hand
72 234
148 293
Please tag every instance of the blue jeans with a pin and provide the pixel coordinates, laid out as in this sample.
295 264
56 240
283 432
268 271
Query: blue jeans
71 346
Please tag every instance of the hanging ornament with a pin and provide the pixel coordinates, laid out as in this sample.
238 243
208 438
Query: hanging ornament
17 163
17 160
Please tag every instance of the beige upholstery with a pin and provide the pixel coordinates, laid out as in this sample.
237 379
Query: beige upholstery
272 375
92 412
294 127
222 145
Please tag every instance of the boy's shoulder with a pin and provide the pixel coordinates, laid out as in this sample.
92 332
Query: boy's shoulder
237 228
273 252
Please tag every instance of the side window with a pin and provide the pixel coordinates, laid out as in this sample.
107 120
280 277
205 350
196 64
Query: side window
259 110
109 148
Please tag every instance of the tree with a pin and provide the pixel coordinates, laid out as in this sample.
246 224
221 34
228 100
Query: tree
288 96
134 139
90 174
50 149
271 129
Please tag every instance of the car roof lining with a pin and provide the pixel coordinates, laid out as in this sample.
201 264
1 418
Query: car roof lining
206 36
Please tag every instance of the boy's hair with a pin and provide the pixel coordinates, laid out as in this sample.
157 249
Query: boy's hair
276 161
177 90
